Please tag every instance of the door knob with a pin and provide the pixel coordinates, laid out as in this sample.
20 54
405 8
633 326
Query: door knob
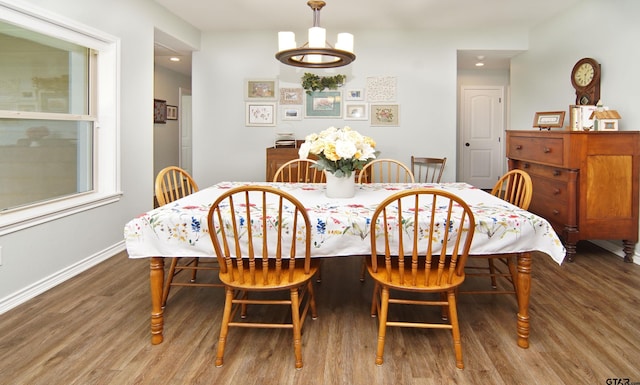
467 144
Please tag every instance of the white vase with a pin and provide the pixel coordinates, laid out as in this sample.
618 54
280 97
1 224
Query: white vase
344 187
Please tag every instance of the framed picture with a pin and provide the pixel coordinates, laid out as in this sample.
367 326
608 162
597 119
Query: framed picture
172 112
260 114
291 96
324 104
385 114
355 94
356 111
548 120
263 89
291 113
159 111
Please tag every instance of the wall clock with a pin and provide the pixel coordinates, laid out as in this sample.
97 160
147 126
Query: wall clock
585 78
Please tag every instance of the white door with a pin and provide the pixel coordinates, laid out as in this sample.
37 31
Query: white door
482 129
186 154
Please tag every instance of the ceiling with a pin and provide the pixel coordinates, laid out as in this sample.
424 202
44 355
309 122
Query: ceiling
353 15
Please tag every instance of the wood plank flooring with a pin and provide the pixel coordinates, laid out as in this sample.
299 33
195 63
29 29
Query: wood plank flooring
94 329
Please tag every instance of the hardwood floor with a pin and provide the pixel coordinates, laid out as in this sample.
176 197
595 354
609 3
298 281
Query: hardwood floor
94 329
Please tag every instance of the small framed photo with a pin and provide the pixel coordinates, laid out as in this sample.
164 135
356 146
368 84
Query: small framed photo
291 96
172 112
385 115
548 120
291 112
356 111
355 94
260 114
262 89
324 104
159 111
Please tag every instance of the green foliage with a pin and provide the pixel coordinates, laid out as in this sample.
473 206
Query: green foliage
312 82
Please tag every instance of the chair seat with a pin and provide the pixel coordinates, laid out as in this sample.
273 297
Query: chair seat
407 285
285 282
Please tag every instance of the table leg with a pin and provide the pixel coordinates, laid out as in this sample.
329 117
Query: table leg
524 290
156 280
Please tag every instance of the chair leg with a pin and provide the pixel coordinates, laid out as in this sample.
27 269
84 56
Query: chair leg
195 270
492 272
363 269
319 276
295 320
312 299
511 264
375 299
382 325
168 280
455 329
243 307
224 328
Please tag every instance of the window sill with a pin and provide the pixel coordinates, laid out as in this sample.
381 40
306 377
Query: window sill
20 219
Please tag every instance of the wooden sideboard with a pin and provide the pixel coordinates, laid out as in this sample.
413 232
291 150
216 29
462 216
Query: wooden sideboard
584 183
277 156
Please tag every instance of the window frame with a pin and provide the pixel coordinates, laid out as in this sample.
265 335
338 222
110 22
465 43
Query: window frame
104 100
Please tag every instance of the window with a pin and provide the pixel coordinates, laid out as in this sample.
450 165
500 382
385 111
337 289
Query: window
58 132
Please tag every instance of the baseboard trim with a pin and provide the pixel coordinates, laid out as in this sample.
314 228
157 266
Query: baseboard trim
616 249
11 301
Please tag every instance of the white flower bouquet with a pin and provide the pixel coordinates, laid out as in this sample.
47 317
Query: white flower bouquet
340 151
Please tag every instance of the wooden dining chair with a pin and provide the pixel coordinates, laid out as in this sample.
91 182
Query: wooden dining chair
427 170
173 183
262 240
425 259
299 170
516 188
385 171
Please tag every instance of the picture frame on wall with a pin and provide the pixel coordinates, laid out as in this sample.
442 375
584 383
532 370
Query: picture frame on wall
291 96
324 104
291 112
385 114
260 89
354 94
172 112
356 111
260 114
159 111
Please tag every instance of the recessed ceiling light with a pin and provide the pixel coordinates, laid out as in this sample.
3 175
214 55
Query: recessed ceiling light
479 64
174 58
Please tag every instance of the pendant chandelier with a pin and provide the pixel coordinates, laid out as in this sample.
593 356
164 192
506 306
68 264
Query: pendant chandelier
315 53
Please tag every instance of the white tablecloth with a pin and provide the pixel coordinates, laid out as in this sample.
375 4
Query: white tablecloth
340 226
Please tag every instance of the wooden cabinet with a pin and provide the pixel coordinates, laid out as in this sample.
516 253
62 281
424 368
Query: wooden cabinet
584 183
277 156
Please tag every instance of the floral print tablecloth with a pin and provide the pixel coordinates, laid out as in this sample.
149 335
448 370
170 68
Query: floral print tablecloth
340 226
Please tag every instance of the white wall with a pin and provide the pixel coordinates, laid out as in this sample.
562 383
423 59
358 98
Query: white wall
37 257
540 78
424 63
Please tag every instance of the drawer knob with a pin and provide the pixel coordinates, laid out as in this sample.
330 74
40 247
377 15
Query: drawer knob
556 191
519 147
556 172
526 165
556 212
546 150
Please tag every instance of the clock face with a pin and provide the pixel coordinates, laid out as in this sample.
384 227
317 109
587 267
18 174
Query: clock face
584 74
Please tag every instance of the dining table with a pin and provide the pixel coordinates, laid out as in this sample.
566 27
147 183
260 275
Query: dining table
341 229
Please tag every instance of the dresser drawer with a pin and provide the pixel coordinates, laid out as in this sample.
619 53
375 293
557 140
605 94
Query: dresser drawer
548 151
534 169
551 200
